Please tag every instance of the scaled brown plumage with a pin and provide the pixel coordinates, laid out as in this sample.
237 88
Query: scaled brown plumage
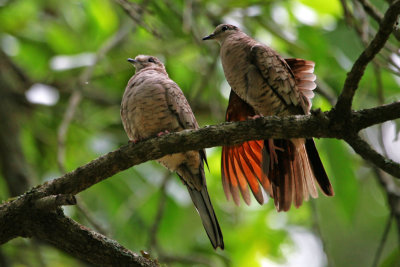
154 104
264 84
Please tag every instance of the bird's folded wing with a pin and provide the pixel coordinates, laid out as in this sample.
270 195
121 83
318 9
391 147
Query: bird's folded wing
180 108
276 73
291 78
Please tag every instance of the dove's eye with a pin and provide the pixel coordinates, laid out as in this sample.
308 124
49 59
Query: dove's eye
151 60
224 28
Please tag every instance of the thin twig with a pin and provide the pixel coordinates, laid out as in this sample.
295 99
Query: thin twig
345 99
73 102
386 182
275 29
347 14
371 10
136 13
393 195
363 27
76 96
392 63
365 32
376 15
384 237
80 205
326 91
362 148
159 214
384 64
210 70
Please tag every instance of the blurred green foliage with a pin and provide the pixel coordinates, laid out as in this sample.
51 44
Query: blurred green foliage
34 33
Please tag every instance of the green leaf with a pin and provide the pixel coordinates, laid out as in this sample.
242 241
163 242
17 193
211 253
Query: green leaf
340 169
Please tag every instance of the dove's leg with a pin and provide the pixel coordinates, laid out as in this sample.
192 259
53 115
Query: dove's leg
162 133
272 154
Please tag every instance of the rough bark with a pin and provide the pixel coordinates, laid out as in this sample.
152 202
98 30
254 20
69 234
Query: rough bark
315 125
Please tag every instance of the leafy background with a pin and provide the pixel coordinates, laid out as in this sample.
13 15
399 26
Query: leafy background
81 46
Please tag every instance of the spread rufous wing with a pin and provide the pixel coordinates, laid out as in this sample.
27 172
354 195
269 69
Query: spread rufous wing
242 164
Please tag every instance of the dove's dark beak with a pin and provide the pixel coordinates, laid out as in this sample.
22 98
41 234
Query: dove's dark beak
132 60
209 37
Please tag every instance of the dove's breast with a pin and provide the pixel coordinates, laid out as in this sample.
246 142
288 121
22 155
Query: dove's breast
145 109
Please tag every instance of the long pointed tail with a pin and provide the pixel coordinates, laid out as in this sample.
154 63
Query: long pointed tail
293 176
318 168
205 209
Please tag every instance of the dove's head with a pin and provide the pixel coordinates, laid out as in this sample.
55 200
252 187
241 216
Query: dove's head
221 32
143 61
